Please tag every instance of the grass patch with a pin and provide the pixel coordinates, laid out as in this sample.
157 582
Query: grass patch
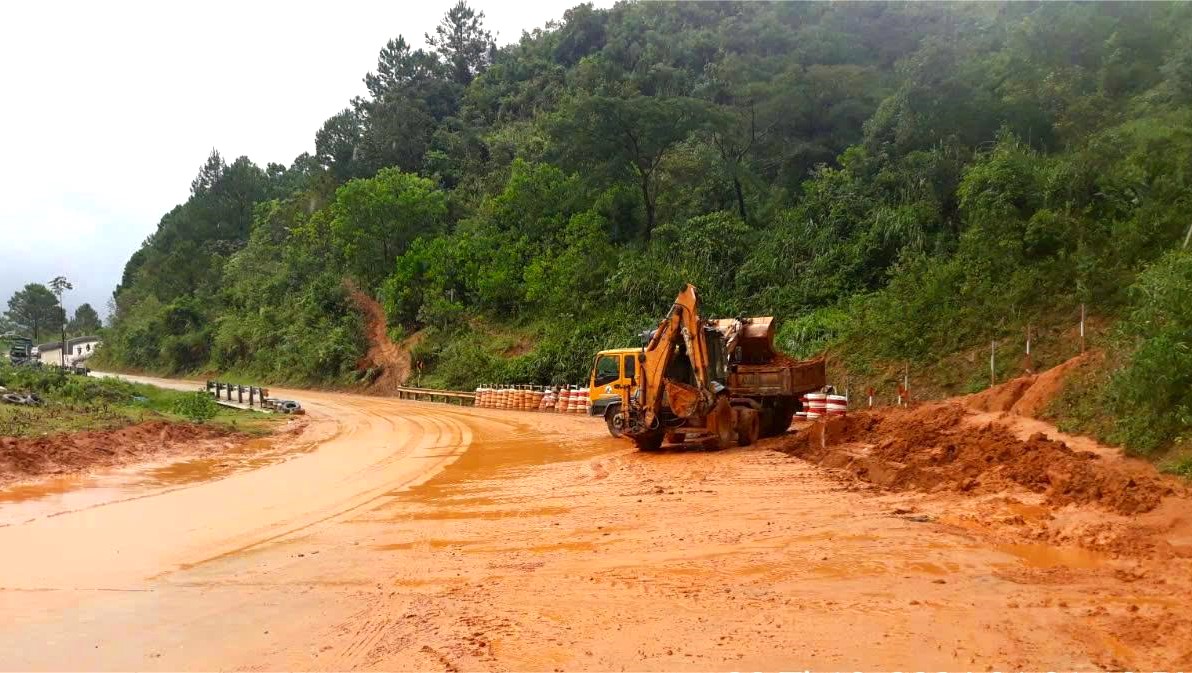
1081 407
73 403
1181 467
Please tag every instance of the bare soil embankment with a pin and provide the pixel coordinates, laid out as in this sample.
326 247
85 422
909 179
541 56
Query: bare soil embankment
390 362
939 446
30 458
1105 541
1030 394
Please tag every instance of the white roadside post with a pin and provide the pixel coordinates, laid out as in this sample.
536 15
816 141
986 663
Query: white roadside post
992 371
1082 328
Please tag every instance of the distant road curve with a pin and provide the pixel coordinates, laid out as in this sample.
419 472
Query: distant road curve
366 446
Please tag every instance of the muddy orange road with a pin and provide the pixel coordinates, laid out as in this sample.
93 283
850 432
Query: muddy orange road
402 535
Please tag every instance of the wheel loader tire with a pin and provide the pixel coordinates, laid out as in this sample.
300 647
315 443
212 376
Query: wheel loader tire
748 427
650 441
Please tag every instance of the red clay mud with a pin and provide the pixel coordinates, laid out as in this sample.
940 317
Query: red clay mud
932 447
418 536
29 457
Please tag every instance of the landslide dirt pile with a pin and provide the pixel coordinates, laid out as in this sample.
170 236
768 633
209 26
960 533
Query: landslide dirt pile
1027 395
28 457
933 447
390 360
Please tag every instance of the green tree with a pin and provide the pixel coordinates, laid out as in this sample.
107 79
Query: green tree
85 321
628 136
401 69
35 310
337 144
374 220
1151 394
463 42
58 286
409 94
209 174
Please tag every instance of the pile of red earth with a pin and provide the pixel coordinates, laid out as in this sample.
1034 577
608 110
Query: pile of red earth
1029 395
26 457
932 448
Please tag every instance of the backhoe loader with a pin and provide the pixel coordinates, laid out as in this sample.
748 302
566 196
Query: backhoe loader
680 387
759 377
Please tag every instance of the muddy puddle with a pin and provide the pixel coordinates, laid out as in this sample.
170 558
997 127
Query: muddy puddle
500 449
1047 556
24 502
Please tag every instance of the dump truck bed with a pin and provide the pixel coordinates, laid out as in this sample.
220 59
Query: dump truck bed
781 377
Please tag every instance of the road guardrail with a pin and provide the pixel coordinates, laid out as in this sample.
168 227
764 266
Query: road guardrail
429 394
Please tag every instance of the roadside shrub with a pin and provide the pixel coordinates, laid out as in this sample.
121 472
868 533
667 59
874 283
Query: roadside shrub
85 390
1151 395
811 334
196 407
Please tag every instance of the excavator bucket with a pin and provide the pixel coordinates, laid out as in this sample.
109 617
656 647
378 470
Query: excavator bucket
749 340
682 399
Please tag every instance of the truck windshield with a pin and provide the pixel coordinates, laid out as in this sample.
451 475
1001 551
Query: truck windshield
607 370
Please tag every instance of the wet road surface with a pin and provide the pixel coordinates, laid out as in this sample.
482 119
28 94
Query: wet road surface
403 535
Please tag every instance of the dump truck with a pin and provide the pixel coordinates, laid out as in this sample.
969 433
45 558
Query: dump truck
21 350
716 381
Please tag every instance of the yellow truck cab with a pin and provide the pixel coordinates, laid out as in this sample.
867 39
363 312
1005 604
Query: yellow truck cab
612 371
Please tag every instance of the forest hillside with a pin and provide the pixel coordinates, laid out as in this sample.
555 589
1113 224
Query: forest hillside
903 184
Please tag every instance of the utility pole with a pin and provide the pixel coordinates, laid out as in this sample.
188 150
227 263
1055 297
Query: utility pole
58 286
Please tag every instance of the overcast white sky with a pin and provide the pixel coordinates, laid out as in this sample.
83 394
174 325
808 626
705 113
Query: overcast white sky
107 109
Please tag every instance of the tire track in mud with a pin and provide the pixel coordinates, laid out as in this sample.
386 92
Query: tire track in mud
373 450
378 447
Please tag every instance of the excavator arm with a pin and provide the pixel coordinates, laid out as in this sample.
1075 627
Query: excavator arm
714 381
675 371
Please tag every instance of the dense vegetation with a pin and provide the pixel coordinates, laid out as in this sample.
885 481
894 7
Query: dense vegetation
900 180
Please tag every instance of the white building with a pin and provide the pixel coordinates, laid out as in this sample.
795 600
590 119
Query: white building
78 350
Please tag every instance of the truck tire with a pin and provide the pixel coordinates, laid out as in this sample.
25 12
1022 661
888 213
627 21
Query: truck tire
650 441
614 420
748 426
778 420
